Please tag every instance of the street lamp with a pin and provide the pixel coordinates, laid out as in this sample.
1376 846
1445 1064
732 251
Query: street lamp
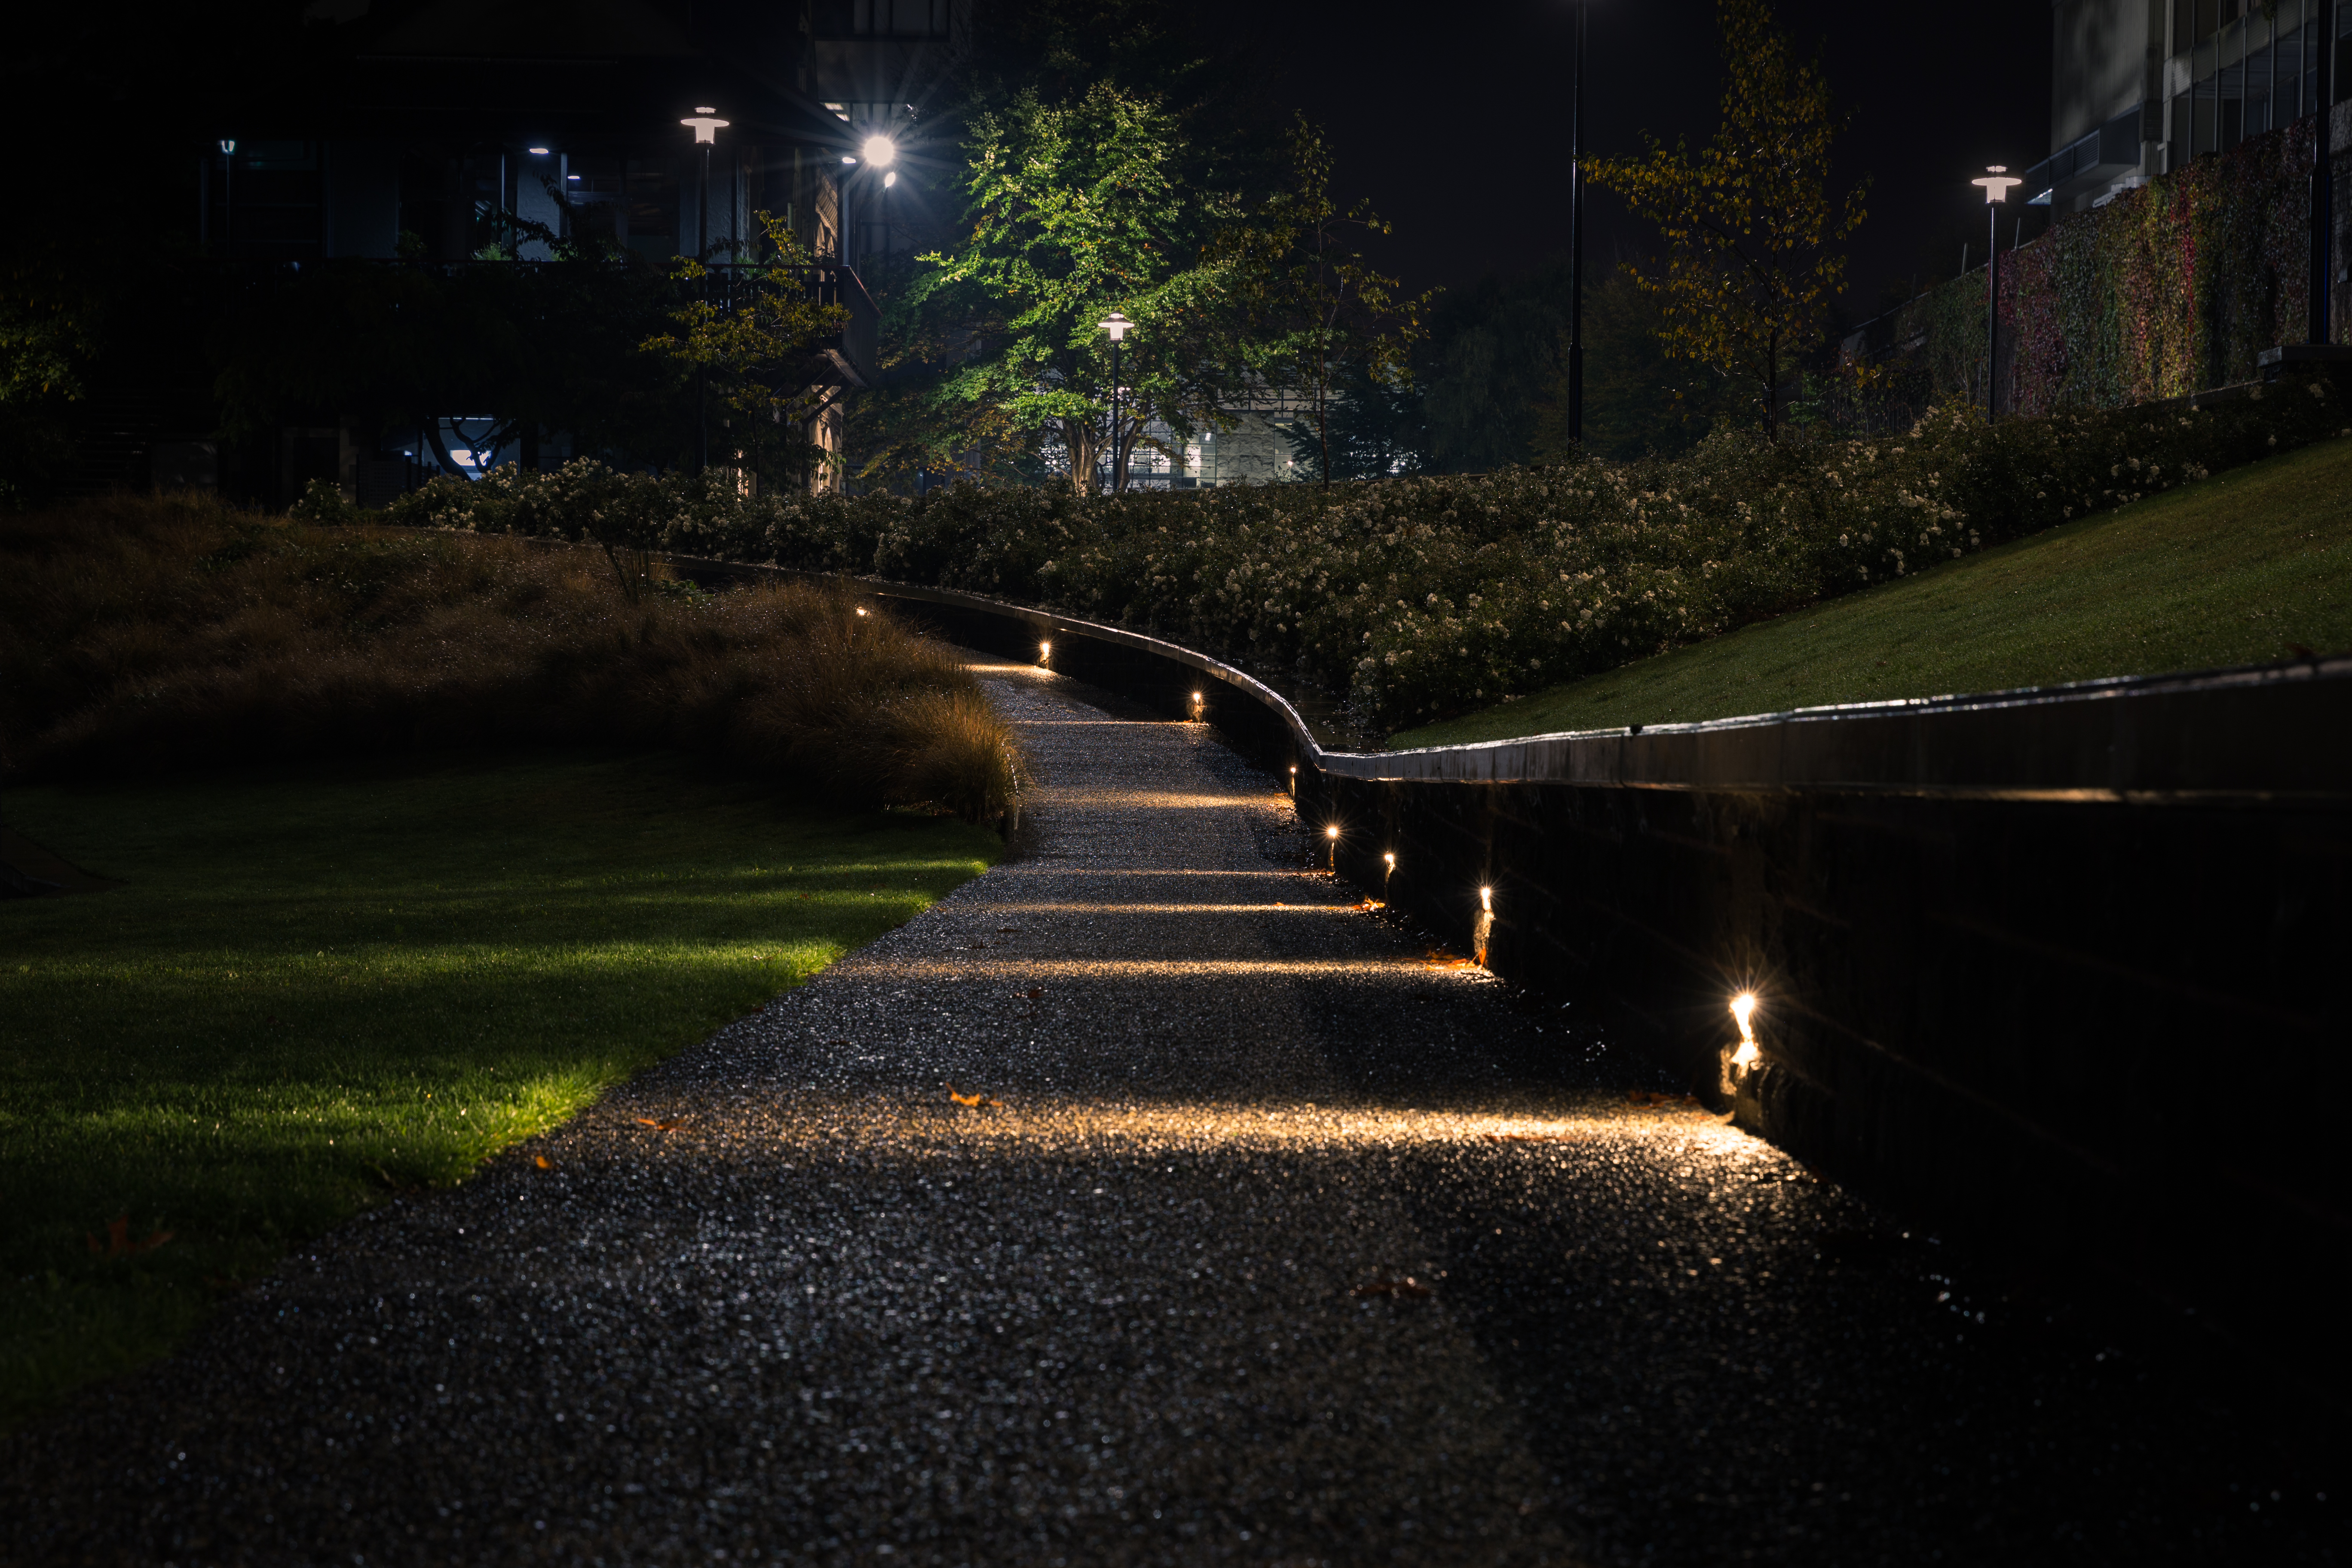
1116 326
1576 243
706 128
2320 322
1997 182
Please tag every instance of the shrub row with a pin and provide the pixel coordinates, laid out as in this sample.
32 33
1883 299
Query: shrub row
139 637
1417 598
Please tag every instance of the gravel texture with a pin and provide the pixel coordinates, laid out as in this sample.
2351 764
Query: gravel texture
1266 1238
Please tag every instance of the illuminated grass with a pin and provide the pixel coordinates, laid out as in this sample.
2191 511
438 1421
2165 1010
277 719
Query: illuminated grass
2234 570
311 995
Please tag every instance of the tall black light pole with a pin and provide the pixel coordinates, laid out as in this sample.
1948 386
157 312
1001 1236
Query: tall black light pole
2322 187
1997 182
706 136
1116 325
1576 242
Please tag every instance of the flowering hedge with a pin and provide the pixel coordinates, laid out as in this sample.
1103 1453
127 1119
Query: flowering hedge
1420 597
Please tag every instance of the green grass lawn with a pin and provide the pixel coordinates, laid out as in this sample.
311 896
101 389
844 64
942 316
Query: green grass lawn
309 994
2235 570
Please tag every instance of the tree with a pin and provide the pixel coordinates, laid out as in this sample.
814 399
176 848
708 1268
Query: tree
1077 210
1637 401
1314 303
756 344
1375 428
1748 271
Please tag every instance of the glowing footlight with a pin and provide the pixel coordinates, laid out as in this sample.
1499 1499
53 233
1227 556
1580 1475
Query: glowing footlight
1484 929
1391 859
1198 703
1743 1007
1332 833
1294 782
861 610
1044 651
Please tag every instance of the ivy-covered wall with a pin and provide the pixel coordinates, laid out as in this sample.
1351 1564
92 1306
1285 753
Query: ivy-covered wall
2168 290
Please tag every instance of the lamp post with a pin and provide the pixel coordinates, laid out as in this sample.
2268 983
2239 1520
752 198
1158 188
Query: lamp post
880 152
1576 242
2323 188
1996 181
705 130
1116 325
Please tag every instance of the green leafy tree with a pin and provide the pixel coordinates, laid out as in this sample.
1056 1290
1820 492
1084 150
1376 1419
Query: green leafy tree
1314 303
759 344
1076 209
1749 267
1637 399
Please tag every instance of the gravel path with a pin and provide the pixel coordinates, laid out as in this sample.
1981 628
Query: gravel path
1261 1239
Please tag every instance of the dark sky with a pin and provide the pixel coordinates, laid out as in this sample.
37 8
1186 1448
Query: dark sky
1453 119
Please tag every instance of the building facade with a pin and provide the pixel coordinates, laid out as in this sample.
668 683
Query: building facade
2141 86
453 133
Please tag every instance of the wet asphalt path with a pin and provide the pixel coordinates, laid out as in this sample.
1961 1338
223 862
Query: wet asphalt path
1253 1237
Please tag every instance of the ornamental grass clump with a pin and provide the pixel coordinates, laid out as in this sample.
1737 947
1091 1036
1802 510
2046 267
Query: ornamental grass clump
143 637
1418 599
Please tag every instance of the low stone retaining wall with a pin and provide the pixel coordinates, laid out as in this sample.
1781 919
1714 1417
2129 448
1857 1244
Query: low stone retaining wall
2061 968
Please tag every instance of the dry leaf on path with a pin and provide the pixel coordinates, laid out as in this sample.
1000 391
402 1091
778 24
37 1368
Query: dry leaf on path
971 1099
670 1126
119 1243
544 1163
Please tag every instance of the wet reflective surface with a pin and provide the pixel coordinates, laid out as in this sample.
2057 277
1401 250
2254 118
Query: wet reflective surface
1149 1202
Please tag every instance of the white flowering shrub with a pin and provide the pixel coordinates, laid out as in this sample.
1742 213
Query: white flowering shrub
1416 598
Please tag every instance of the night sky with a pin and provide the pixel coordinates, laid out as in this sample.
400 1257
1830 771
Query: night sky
1454 119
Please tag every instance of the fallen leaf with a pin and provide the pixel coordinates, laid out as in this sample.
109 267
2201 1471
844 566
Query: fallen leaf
1406 1287
1034 993
971 1099
119 1243
544 1164
1368 905
671 1126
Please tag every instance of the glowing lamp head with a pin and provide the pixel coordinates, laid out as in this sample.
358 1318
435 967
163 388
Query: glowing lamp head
1116 325
1332 832
228 146
707 127
1391 859
1743 1007
536 151
1045 650
1196 697
1997 182
880 151
889 179
1486 900
861 609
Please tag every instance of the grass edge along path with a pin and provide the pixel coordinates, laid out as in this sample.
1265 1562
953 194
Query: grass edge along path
312 994
2248 568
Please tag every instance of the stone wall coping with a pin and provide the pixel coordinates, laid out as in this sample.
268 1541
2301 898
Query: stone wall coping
2267 731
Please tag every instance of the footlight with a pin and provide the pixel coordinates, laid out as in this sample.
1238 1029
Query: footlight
1199 703
1044 651
1484 928
1332 833
1743 1008
861 610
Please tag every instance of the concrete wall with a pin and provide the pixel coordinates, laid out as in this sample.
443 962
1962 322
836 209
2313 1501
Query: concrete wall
2103 62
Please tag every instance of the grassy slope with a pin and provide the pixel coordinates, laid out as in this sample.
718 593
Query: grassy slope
2231 571
310 994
